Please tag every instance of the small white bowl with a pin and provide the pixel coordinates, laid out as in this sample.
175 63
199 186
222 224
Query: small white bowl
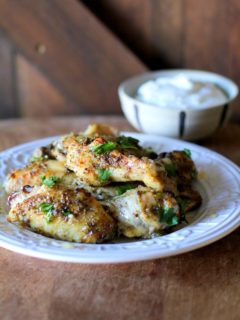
190 124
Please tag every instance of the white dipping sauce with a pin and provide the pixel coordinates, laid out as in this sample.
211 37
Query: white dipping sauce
180 92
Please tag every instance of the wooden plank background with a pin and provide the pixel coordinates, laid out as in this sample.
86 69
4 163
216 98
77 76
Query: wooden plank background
68 57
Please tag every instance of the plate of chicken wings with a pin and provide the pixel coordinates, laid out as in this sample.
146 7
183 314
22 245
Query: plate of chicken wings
103 196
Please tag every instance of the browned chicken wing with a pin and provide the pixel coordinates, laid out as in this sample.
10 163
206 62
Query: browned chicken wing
98 168
66 214
142 212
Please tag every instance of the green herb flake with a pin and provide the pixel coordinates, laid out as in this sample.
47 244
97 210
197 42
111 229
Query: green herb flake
187 153
194 174
41 158
127 142
105 147
66 212
182 205
103 175
50 181
170 169
124 187
47 209
150 153
48 216
168 216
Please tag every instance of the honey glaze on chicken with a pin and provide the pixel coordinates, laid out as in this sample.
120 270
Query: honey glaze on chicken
97 185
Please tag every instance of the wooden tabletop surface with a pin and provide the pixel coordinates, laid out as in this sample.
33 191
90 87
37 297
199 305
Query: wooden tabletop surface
203 284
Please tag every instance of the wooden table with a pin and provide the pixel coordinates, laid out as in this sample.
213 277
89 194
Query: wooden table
204 284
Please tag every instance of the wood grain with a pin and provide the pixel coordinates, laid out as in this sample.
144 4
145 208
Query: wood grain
153 30
203 284
207 36
80 57
212 38
168 33
37 96
178 34
8 92
130 21
78 51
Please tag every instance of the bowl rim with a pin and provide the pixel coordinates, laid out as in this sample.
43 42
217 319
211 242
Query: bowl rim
154 74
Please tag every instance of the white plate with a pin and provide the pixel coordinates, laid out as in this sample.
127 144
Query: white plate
219 185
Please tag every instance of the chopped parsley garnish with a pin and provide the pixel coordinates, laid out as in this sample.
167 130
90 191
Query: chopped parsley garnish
47 208
124 143
170 169
150 153
127 142
125 187
103 175
168 216
187 153
182 205
105 147
35 158
50 181
194 174
66 212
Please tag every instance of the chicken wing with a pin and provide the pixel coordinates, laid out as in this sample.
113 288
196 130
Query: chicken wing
65 214
33 173
143 212
99 161
179 165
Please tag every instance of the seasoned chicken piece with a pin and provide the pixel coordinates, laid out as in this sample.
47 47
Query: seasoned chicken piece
65 214
142 212
56 150
190 197
33 173
98 162
54 172
107 192
100 129
179 166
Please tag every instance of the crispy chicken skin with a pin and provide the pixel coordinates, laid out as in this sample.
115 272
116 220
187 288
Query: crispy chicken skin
185 169
56 149
122 166
100 129
138 211
32 173
191 197
72 215
53 151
